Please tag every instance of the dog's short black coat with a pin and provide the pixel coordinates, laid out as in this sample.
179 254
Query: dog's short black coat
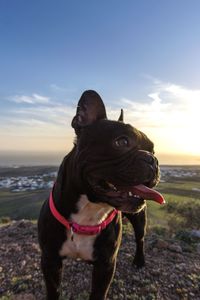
106 155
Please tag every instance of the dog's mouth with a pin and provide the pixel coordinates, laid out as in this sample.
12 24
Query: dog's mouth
135 192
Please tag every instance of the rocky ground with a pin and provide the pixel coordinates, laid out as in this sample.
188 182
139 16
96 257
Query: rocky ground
172 269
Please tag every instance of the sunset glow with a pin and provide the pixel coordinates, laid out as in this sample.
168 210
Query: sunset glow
152 72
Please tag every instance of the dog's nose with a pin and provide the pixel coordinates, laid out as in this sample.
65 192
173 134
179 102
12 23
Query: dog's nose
152 168
148 157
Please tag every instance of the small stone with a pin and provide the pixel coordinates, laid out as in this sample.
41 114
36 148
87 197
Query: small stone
35 247
23 223
175 248
155 250
23 263
161 244
198 248
195 233
181 266
23 297
155 272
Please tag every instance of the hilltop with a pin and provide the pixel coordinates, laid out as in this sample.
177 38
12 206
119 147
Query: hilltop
172 268
172 243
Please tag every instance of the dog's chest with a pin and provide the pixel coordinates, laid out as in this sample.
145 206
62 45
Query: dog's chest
79 245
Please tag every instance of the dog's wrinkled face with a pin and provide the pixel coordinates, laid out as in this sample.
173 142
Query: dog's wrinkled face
116 161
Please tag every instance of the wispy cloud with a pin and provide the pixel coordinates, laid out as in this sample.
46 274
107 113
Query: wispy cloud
37 116
36 122
59 114
32 99
169 114
44 127
58 89
165 101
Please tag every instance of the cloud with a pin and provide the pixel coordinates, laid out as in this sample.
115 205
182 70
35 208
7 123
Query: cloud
162 104
169 114
33 99
60 90
59 114
36 122
46 119
29 122
156 98
42 129
57 88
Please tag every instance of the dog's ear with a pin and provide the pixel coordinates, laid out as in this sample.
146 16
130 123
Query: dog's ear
90 108
121 117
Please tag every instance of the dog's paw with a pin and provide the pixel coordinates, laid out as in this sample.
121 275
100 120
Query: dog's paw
139 262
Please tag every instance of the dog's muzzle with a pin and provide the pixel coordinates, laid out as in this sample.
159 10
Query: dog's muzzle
124 182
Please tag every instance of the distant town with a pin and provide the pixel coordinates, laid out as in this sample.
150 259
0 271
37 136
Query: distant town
28 183
178 172
44 181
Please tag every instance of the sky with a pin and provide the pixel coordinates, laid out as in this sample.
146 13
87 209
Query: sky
139 55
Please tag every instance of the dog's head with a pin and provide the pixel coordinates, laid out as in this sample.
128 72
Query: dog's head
116 161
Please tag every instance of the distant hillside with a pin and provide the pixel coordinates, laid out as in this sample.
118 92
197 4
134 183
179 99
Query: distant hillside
24 189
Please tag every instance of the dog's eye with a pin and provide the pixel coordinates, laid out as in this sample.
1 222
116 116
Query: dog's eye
121 142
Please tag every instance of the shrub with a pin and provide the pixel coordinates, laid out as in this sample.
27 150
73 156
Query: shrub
5 220
184 214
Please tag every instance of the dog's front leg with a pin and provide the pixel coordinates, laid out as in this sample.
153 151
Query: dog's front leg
102 275
139 222
52 271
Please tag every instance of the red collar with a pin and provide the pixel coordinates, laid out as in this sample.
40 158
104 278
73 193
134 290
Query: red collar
81 229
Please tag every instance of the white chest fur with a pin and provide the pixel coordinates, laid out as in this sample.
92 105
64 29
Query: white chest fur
81 246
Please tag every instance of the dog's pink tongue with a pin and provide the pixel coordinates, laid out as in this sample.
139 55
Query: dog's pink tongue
147 193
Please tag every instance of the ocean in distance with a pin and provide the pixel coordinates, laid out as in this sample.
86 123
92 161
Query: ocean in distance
14 159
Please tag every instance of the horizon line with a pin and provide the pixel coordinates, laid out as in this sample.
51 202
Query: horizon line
54 158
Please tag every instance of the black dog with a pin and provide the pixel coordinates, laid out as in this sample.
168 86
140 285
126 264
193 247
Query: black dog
110 169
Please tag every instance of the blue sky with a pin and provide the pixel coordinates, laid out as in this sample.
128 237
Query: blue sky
139 55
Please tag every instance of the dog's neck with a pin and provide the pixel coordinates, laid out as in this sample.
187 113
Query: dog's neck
89 213
71 199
